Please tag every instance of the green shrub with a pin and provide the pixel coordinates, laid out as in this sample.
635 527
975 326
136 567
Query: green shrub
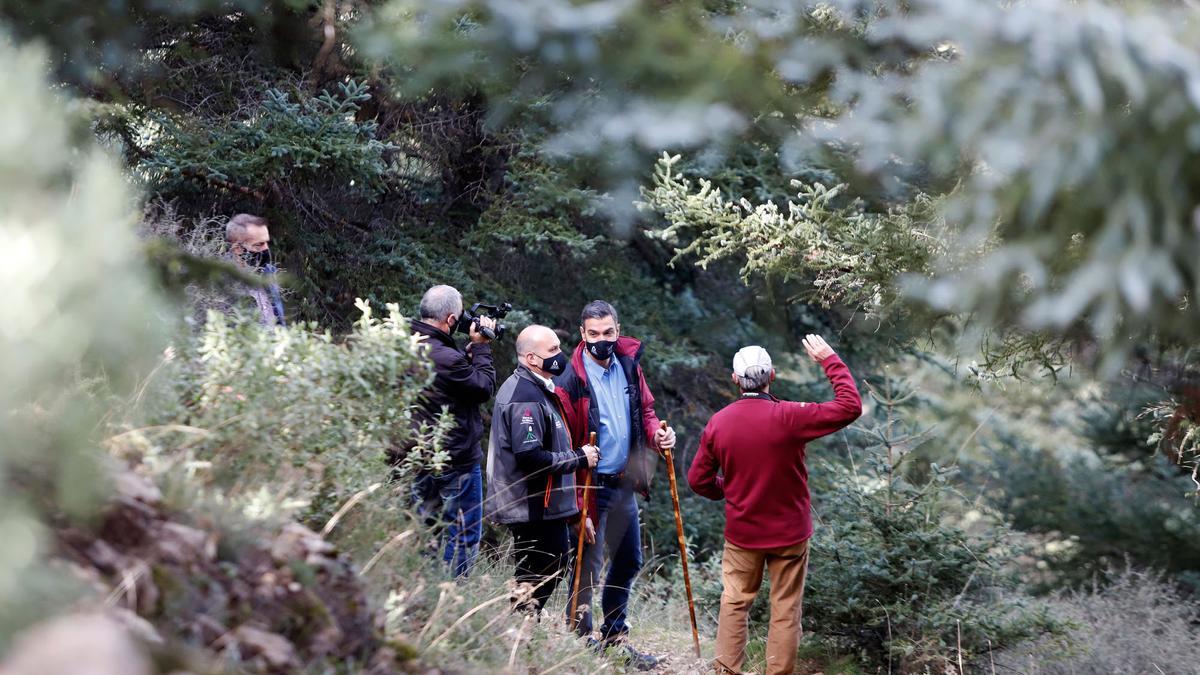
1096 514
316 138
288 416
891 578
1136 623
76 321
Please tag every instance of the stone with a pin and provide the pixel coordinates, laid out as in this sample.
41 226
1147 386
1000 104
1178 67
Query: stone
296 542
136 487
274 649
183 544
138 627
77 644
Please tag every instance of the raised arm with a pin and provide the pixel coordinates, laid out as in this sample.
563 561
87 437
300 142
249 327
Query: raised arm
472 377
814 420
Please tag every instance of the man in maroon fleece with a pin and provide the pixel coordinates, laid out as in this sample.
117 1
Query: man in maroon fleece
752 456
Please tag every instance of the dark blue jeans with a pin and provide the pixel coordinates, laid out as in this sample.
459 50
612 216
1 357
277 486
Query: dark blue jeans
619 538
453 500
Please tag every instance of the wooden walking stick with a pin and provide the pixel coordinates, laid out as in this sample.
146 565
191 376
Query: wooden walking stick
687 580
583 514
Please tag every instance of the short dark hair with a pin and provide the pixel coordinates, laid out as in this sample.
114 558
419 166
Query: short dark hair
598 309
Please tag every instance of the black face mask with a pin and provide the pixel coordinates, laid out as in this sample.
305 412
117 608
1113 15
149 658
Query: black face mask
602 349
555 365
257 259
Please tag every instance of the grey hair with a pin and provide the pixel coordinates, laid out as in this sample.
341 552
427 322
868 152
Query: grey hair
440 302
598 309
237 225
756 378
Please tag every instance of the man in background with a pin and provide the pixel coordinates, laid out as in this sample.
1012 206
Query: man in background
249 242
531 467
752 455
463 381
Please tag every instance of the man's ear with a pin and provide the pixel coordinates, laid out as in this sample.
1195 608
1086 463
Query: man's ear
772 377
733 376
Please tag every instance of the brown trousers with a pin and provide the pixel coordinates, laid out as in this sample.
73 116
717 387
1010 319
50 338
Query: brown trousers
742 574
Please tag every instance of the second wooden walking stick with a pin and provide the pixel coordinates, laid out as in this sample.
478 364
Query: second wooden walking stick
583 516
683 558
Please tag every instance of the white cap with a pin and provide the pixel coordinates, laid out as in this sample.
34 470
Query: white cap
750 356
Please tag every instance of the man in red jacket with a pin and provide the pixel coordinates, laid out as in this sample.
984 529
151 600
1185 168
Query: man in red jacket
604 391
752 456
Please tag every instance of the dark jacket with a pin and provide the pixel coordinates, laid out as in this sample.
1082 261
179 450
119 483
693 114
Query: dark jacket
531 461
583 413
752 456
463 381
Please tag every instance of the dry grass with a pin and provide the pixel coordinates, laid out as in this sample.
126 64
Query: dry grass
1136 624
203 239
468 625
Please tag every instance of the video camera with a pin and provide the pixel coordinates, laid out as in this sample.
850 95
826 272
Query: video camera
471 317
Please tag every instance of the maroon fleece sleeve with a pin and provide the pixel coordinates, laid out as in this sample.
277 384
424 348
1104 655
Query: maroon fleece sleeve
702 476
814 420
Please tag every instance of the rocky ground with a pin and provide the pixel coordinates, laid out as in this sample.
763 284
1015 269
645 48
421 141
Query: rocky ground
176 594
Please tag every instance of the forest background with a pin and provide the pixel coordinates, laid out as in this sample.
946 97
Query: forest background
989 209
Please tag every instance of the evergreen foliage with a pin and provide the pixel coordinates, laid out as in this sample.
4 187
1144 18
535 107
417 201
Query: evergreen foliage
277 142
78 316
289 416
847 257
895 174
892 576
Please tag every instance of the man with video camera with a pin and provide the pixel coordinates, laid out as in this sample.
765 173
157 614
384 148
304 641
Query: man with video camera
464 380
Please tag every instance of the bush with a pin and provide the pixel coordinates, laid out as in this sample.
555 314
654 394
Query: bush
890 578
1137 623
279 142
286 416
1098 514
76 307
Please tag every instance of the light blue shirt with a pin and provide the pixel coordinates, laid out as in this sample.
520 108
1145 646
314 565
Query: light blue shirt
612 398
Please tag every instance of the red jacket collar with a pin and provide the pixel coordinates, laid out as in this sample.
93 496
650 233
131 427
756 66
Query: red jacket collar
626 346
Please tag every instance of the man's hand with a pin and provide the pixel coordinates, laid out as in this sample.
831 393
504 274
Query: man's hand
592 453
816 347
664 439
589 531
483 322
